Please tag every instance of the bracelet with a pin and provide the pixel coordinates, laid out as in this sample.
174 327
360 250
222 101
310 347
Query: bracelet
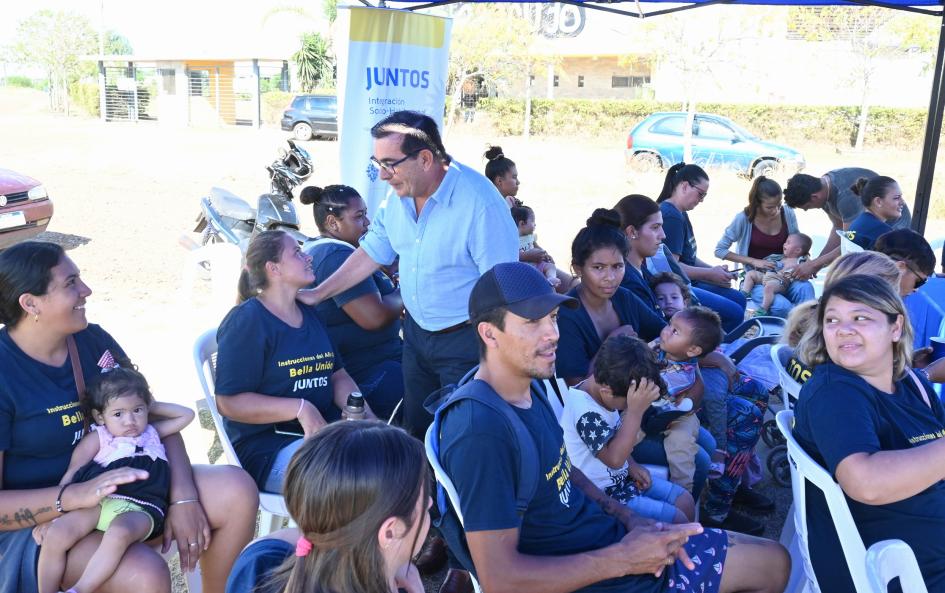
924 373
185 501
301 405
59 508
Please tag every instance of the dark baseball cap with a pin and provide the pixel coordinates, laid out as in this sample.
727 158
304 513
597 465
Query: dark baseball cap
520 288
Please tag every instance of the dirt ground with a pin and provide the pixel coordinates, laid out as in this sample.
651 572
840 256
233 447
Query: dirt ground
124 193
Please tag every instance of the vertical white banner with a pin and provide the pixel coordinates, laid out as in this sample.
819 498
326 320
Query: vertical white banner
392 60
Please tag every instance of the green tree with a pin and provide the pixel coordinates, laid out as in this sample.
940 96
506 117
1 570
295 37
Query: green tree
117 44
54 42
692 45
870 33
330 10
312 61
495 44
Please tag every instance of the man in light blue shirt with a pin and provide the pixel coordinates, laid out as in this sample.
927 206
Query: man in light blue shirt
449 225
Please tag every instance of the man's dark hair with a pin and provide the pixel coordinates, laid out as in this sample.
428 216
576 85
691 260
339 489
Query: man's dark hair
800 188
494 317
622 359
706 327
419 130
907 245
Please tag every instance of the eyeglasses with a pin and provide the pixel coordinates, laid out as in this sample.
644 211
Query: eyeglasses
702 192
389 167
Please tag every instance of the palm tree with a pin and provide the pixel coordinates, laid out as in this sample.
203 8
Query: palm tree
312 61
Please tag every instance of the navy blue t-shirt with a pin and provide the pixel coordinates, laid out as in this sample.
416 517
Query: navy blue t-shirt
679 236
839 414
868 228
479 452
361 349
40 420
253 568
638 283
260 353
579 341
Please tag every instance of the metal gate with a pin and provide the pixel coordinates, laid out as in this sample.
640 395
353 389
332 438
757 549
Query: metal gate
131 92
225 93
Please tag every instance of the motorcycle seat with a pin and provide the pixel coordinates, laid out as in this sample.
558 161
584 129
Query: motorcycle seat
230 205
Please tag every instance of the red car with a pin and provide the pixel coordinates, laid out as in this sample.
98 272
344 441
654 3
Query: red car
25 207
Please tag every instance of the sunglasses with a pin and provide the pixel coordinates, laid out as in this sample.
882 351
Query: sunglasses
919 278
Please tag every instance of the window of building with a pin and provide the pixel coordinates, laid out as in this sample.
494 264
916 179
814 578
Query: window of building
556 80
625 82
580 81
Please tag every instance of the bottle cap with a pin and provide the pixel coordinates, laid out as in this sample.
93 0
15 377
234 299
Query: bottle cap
355 399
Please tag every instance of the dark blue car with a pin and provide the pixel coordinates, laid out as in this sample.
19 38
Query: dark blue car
657 143
312 115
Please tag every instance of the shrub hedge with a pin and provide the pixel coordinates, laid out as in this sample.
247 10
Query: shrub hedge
596 117
85 95
21 81
274 103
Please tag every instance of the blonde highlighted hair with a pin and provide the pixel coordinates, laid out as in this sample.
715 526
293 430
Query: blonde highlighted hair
868 263
872 292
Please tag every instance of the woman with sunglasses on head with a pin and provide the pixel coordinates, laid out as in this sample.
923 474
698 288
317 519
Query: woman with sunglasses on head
363 321
876 426
48 351
684 188
359 492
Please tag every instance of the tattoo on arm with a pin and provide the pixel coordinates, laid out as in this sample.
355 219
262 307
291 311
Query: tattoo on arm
24 517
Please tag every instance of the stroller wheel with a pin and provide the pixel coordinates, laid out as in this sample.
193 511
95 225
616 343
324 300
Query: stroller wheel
779 466
770 433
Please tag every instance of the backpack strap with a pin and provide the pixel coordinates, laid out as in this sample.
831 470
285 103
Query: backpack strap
528 464
922 391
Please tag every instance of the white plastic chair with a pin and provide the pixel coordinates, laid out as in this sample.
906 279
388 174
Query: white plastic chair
271 506
780 355
805 469
444 480
893 558
846 245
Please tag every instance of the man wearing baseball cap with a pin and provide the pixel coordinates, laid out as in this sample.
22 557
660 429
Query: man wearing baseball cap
572 537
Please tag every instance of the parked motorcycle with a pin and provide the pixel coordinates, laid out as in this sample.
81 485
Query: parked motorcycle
227 218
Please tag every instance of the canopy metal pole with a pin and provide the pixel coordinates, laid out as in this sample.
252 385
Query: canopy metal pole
933 130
